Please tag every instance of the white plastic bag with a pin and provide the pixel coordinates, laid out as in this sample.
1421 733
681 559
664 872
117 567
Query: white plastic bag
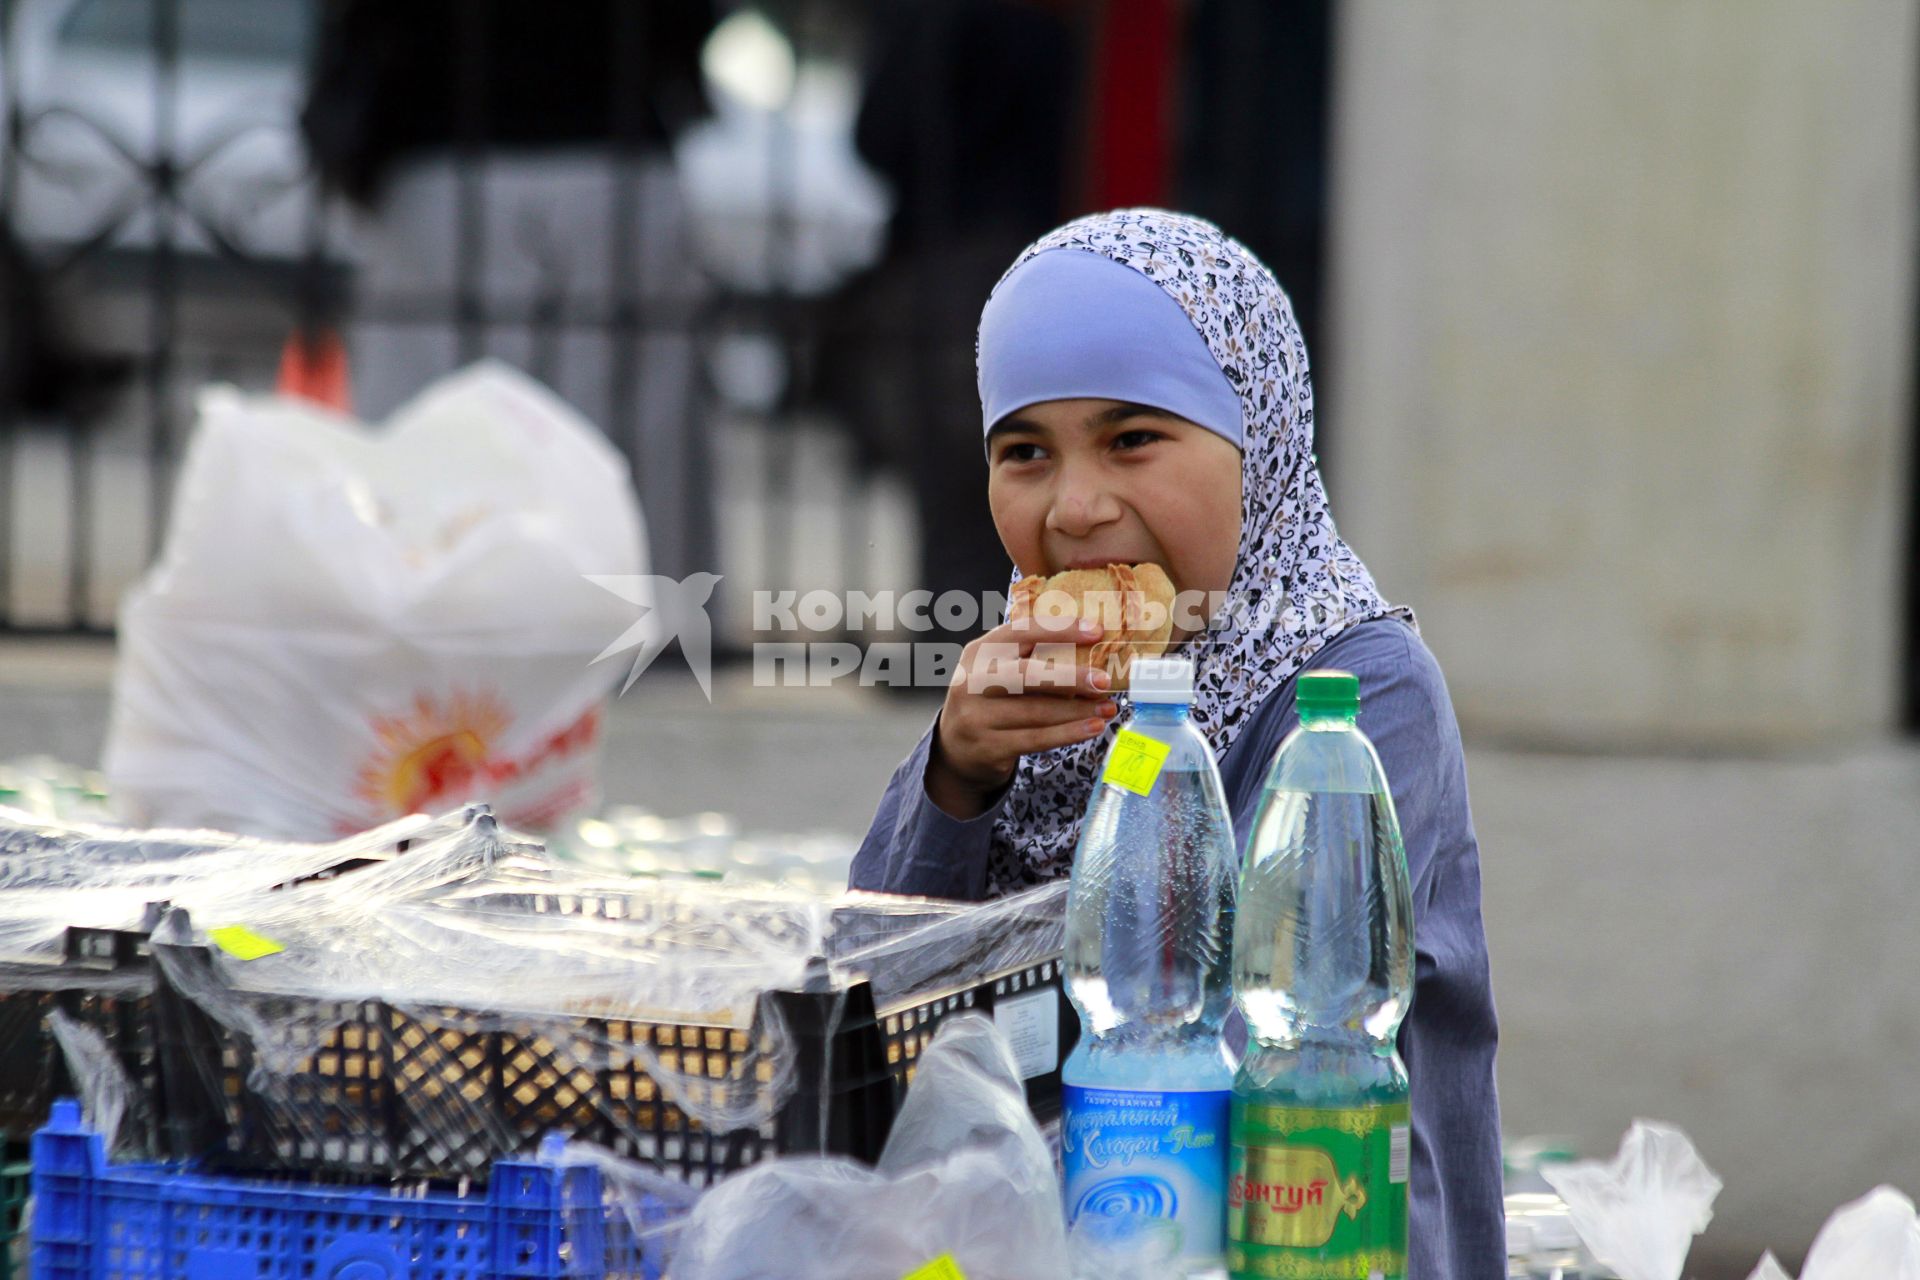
1877 1235
349 624
965 1173
1639 1212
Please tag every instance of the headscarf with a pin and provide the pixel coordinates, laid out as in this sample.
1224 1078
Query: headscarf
1295 584
1068 325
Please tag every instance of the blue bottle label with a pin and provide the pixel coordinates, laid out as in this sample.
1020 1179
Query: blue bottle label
1159 1154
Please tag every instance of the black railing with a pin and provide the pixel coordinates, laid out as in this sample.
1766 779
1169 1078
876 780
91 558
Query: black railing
115 311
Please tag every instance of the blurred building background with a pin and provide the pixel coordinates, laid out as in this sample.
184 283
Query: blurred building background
1611 306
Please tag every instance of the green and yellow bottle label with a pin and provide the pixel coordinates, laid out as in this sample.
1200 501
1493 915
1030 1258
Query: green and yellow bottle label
1318 1193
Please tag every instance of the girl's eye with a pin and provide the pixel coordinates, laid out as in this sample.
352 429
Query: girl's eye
1136 439
1020 451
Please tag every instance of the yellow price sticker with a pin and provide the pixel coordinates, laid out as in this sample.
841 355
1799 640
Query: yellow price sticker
941 1268
1135 761
243 943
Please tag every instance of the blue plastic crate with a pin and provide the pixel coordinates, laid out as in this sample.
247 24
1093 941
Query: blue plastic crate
92 1220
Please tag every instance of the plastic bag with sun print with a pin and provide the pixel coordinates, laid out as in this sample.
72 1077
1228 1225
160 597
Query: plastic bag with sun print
348 624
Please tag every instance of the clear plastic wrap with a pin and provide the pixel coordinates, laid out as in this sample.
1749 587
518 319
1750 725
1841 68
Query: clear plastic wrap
1639 1212
115 1107
966 1175
651 1206
440 1013
55 875
78 901
1877 1235
910 949
27 834
715 945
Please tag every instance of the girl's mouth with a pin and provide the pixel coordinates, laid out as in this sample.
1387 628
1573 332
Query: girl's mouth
1099 562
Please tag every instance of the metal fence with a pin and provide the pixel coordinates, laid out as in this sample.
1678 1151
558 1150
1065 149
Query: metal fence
168 222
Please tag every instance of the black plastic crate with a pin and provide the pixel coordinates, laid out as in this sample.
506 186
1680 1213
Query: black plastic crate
103 978
864 1068
104 982
859 1055
16 1175
386 1092
100 977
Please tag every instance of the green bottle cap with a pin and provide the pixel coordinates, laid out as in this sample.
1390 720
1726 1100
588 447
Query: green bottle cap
1328 695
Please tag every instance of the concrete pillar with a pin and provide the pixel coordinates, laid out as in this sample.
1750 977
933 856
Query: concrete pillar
1622 299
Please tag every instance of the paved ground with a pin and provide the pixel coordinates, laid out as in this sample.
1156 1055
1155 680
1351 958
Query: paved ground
1723 943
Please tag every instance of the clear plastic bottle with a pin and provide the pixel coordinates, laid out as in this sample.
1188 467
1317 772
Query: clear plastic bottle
1323 973
1149 930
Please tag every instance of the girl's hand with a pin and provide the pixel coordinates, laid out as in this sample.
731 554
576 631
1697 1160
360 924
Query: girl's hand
1008 699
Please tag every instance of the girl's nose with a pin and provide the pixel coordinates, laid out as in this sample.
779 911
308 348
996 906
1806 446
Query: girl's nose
1079 507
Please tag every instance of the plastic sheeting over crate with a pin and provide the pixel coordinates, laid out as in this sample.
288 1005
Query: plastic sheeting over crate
56 876
430 1015
77 902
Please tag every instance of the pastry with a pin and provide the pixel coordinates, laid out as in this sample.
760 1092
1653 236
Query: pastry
1133 602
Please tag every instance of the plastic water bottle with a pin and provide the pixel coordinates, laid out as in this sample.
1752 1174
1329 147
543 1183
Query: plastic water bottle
1149 931
1323 973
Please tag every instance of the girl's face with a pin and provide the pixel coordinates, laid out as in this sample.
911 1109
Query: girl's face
1078 484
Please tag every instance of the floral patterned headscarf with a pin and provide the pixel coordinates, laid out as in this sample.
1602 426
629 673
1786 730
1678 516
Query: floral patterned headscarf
1295 585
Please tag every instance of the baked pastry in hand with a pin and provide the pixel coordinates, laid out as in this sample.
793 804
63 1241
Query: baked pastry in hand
1134 603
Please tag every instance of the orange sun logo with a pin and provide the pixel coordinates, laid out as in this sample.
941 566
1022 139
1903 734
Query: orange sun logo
432 754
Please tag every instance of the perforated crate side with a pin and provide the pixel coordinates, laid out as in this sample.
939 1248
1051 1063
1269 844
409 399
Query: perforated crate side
601 1090
14 1185
537 1220
340 1111
26 1062
32 1069
335 1113
383 1092
908 1027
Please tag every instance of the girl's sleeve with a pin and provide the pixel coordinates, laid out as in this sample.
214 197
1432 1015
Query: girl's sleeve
916 847
1457 1222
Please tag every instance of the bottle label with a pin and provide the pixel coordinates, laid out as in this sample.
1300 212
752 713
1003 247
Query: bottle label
1156 1154
1318 1193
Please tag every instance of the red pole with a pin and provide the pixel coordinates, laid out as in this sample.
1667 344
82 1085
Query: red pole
313 366
1133 87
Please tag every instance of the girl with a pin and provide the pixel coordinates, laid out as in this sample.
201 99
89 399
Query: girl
1146 398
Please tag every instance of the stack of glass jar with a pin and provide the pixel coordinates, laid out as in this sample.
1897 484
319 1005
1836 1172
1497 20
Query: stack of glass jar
631 841
1542 1243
